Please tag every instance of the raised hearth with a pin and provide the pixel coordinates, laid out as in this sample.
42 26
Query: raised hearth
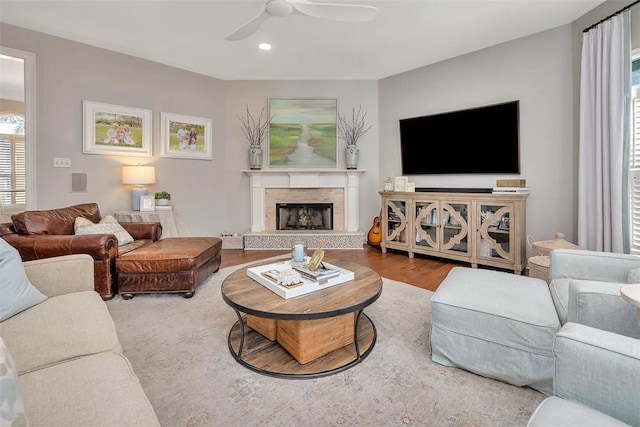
314 240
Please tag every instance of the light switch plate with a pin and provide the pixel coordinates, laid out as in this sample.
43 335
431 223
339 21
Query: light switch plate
61 162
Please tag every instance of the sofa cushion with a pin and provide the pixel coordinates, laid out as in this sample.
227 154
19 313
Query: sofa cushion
61 328
17 293
95 390
633 275
54 221
11 405
108 225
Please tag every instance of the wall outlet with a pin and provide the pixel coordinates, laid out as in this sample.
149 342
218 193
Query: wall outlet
61 162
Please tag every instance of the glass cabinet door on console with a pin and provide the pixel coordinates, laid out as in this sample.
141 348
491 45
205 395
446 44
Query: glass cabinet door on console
425 226
441 226
495 241
395 224
455 228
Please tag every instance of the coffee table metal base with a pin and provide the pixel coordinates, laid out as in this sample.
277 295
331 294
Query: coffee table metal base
261 355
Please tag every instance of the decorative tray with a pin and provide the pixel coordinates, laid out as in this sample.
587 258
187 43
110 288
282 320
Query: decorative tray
306 286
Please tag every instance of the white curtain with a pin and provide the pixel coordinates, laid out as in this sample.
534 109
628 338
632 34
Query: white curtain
602 167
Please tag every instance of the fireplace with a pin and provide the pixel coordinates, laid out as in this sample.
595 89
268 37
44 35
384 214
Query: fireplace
304 216
276 228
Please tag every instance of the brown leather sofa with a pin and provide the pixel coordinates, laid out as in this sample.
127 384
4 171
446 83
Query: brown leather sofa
45 234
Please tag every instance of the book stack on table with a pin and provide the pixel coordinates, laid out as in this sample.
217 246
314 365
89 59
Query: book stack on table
318 275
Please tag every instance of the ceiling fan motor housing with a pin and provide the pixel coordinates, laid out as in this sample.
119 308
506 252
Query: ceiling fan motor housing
278 8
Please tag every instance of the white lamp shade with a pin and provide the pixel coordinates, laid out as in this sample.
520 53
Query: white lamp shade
138 175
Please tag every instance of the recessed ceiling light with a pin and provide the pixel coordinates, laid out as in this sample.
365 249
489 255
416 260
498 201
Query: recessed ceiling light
264 46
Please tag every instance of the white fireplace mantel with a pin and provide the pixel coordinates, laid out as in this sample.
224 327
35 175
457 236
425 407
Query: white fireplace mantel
261 179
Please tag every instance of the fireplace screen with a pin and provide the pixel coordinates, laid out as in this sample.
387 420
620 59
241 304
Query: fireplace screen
304 216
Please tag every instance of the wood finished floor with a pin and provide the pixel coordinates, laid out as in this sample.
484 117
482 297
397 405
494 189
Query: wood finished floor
421 271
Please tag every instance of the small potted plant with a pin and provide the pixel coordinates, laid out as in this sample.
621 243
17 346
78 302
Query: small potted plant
163 198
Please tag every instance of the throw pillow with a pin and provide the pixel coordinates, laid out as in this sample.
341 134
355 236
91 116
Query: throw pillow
16 292
633 276
12 408
108 225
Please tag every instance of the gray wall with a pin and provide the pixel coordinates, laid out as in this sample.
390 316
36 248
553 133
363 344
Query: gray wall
535 70
211 196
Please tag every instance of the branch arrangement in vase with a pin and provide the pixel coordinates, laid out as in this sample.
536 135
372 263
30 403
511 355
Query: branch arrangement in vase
352 128
255 130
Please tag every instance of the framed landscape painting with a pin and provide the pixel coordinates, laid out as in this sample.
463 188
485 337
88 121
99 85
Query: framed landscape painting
186 137
116 130
302 132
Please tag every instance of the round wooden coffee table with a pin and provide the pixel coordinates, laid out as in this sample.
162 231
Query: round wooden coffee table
313 335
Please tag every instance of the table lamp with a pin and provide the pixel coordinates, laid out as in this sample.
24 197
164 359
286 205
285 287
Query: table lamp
138 176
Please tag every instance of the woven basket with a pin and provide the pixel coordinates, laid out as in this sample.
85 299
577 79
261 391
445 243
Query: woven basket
545 247
232 242
539 267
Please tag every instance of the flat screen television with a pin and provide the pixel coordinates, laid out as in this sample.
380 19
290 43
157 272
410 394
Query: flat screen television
483 140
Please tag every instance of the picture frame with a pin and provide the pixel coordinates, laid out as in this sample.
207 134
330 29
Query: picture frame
186 137
116 130
411 187
147 203
400 183
303 132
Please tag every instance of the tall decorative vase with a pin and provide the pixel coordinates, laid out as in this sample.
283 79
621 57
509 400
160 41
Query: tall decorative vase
352 153
255 158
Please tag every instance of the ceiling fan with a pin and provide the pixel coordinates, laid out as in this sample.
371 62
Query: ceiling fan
281 8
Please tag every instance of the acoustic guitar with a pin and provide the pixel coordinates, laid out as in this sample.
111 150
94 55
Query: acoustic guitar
375 234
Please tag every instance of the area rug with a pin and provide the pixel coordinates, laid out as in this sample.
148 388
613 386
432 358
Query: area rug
178 349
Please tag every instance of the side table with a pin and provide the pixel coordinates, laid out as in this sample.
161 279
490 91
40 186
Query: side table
171 225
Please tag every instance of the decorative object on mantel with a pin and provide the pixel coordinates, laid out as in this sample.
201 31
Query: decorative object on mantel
255 130
162 198
351 129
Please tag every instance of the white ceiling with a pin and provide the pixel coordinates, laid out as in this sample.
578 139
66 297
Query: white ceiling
189 34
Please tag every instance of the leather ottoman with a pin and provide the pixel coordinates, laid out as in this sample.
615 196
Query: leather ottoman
175 265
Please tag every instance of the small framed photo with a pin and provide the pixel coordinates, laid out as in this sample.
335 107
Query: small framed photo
116 130
411 187
401 183
147 203
186 137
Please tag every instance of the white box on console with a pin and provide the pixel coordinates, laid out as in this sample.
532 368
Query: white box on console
307 286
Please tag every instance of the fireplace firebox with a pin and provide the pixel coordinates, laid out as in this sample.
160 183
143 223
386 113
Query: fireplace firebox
304 216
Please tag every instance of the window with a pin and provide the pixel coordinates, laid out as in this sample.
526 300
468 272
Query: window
634 157
12 161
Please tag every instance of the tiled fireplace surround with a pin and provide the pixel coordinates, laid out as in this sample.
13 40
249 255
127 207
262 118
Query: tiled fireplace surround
271 186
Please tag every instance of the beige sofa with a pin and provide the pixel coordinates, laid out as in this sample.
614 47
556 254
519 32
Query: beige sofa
71 370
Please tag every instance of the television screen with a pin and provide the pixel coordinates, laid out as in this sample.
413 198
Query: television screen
482 140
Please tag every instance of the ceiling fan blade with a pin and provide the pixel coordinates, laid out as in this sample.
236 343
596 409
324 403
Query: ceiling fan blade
249 28
336 12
